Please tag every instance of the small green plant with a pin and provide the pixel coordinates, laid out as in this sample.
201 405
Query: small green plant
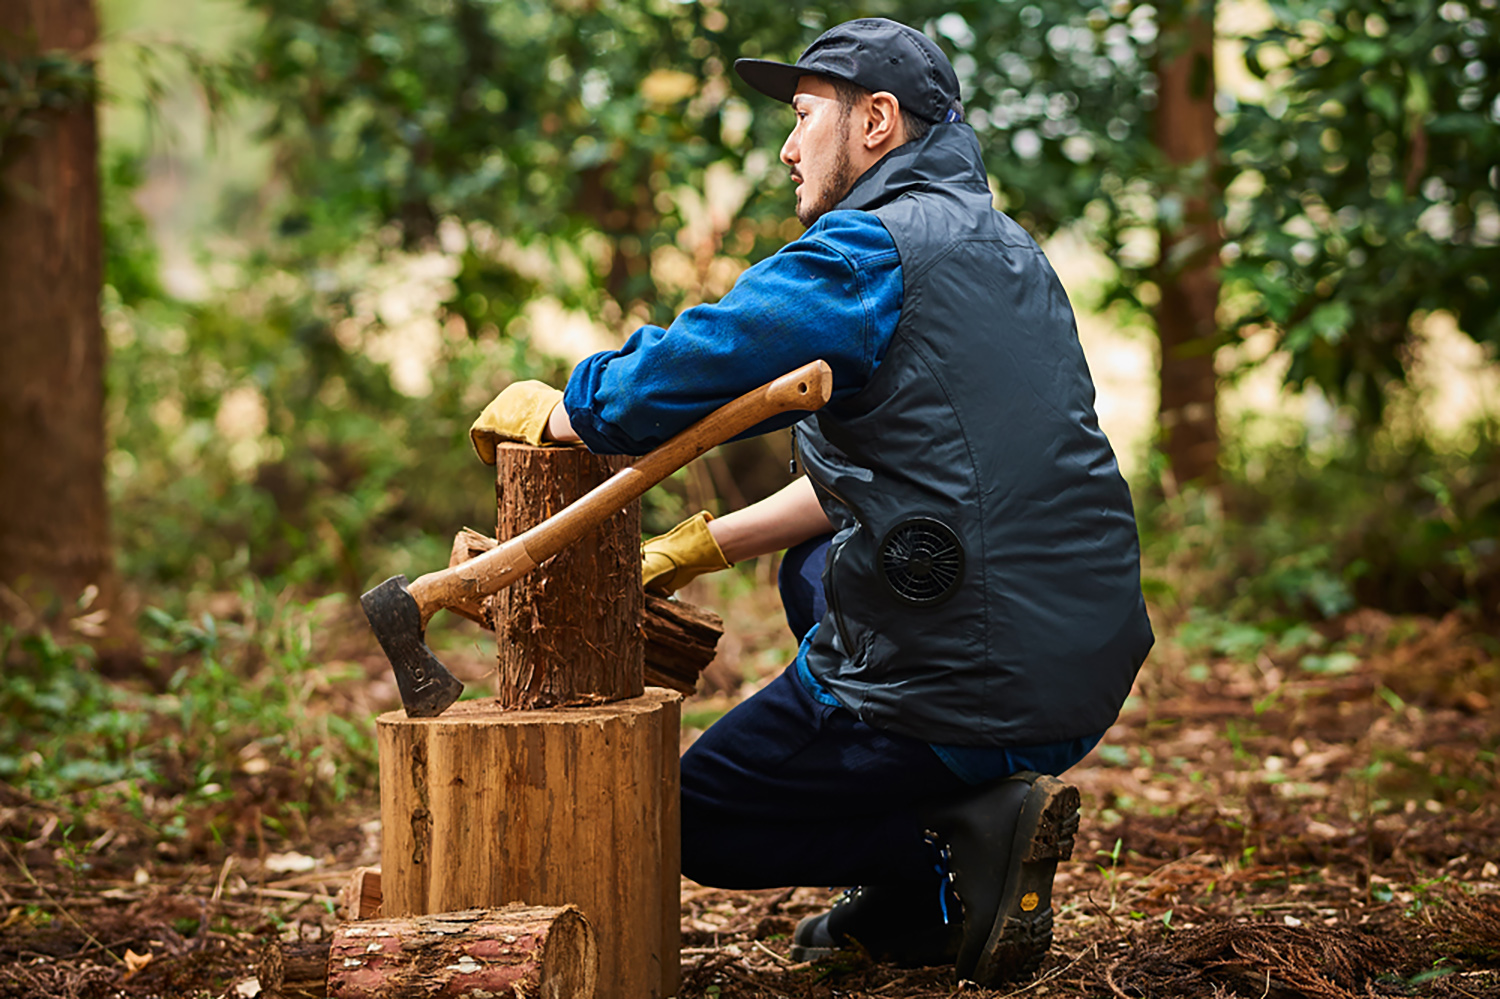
1236 740
1332 664
1111 872
1427 893
237 712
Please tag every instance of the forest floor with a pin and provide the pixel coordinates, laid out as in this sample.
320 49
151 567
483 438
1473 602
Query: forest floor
1312 815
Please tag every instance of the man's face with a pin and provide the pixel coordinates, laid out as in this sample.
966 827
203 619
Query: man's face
818 149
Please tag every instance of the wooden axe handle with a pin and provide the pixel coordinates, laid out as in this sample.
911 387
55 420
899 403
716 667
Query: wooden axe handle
807 388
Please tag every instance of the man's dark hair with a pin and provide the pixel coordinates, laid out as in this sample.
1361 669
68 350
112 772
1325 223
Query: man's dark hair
850 94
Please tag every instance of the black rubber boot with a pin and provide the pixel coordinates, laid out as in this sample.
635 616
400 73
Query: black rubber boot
1004 843
902 924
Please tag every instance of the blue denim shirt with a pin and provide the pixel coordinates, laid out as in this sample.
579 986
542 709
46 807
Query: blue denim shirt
833 294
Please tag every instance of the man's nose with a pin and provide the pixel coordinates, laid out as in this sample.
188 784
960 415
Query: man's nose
791 150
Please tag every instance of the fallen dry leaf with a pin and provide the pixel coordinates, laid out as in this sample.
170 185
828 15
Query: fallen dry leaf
135 962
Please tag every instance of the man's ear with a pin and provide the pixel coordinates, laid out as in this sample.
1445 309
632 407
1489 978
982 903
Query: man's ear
883 129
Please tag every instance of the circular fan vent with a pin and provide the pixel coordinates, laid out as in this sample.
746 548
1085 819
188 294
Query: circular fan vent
922 561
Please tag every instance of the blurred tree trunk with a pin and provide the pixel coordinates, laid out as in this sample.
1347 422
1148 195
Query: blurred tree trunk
1187 273
54 522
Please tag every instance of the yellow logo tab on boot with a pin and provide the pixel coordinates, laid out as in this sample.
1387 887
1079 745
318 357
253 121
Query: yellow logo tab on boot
1029 901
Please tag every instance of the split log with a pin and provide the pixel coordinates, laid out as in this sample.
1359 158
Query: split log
360 898
516 951
569 634
680 642
482 806
680 638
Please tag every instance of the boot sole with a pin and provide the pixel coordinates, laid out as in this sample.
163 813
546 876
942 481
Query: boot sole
800 954
1022 933
804 952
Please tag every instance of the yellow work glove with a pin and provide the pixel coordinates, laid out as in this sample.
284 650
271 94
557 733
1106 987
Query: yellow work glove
687 551
517 414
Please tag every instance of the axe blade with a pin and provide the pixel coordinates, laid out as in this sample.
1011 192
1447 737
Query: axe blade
426 686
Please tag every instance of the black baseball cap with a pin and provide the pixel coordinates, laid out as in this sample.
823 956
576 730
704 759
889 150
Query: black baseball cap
875 53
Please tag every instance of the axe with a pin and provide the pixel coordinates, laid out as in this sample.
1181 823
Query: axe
399 610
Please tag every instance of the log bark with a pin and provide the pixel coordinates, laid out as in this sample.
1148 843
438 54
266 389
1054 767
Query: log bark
483 806
568 634
517 951
680 639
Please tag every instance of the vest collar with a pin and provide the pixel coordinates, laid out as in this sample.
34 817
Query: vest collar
947 156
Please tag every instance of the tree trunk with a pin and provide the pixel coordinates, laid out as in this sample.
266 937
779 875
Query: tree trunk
54 524
1187 273
569 633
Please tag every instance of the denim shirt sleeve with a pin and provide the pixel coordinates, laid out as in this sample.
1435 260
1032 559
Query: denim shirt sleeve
834 294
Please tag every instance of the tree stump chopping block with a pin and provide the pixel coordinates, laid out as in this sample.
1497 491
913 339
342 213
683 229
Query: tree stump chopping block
483 806
516 951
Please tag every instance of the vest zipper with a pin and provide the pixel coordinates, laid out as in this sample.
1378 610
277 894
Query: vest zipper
831 593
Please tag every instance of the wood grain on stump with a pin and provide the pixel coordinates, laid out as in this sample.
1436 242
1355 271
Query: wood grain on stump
483 806
569 633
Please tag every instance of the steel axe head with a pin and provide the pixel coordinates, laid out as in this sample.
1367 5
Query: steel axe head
427 688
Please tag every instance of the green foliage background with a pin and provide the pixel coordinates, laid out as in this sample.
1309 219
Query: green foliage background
1375 168
528 149
491 152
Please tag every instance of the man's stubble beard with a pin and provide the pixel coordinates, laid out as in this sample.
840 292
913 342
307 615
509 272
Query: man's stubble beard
840 179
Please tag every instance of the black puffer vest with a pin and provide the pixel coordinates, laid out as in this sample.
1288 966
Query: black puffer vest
983 585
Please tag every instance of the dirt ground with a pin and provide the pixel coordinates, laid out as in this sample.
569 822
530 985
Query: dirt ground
1321 821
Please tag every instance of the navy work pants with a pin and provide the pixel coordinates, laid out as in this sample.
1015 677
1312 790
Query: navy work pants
787 790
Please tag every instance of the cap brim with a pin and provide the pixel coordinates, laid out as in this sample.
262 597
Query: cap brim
774 79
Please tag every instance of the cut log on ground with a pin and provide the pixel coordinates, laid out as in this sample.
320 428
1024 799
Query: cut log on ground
291 971
515 951
680 638
483 806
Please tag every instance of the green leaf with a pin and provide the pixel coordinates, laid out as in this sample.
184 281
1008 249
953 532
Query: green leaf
1418 94
1366 50
1331 321
1381 98
1335 663
1115 756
